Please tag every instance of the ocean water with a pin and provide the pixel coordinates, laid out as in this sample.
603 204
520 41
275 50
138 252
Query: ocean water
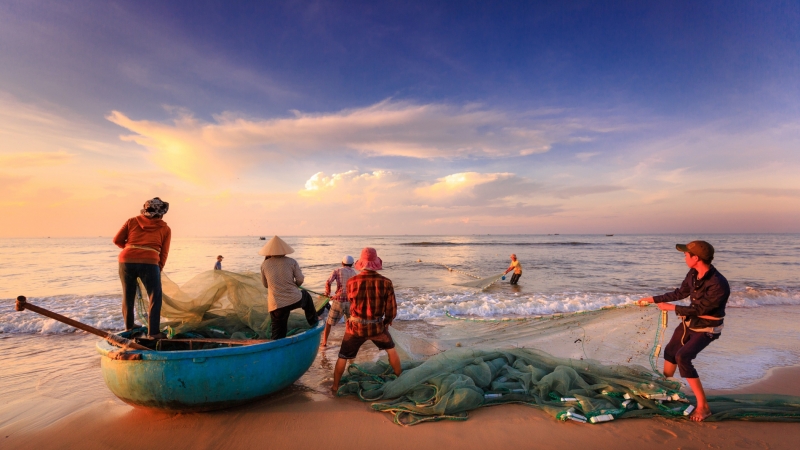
561 274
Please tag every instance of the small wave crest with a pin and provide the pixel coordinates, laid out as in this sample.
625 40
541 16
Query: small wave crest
103 312
415 305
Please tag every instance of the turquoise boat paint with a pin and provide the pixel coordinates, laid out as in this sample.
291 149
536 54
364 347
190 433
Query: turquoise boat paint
204 380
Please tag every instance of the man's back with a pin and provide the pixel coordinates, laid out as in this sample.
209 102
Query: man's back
372 303
341 276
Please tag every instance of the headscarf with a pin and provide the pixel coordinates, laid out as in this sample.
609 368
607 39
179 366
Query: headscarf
154 207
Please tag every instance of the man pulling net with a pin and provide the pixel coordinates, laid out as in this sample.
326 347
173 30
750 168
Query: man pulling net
701 321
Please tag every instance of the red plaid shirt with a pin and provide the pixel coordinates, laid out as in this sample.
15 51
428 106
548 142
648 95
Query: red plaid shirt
372 299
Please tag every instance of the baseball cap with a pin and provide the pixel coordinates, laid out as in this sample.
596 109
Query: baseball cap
348 260
701 249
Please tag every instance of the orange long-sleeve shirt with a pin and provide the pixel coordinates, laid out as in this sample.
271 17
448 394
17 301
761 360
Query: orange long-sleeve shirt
141 231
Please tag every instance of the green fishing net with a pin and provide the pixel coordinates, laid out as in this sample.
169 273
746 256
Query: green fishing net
469 363
219 304
448 385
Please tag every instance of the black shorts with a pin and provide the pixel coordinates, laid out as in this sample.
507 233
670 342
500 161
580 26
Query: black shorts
684 347
351 343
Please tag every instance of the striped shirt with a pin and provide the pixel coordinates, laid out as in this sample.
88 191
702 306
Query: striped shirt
281 276
340 276
372 303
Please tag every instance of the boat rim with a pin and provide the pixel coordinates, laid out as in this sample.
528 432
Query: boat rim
104 348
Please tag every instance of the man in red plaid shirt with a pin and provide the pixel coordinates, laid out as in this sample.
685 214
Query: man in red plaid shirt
372 309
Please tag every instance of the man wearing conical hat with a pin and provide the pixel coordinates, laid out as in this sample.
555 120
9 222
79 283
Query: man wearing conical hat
282 277
372 309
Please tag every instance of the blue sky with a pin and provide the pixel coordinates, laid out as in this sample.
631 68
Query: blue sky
416 117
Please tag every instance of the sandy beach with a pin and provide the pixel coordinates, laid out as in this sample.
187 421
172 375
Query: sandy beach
55 403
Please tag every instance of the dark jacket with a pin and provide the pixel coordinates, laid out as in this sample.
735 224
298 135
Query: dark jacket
709 296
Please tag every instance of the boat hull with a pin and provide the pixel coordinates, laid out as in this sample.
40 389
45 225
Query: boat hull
204 380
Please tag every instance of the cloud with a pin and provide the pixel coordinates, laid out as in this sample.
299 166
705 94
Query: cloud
393 201
761 192
193 149
585 156
579 191
34 159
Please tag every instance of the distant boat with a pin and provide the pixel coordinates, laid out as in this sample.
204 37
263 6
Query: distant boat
262 238
609 235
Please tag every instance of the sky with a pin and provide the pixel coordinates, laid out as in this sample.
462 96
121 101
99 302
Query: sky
370 118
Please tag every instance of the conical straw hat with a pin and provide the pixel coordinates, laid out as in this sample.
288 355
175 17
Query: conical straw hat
275 247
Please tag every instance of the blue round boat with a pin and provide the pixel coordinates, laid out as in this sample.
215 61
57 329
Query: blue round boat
203 380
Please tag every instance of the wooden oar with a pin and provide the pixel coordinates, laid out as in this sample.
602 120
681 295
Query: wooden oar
22 304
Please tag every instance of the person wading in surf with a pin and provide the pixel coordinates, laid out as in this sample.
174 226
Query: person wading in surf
516 267
145 242
701 321
340 305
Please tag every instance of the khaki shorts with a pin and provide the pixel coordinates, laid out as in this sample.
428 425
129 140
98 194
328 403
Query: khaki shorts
338 310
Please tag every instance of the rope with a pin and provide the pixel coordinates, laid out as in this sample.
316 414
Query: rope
657 341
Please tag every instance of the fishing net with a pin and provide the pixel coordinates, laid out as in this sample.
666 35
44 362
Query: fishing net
467 363
219 304
448 385
482 283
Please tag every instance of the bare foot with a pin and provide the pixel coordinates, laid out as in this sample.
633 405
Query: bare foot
323 344
334 390
700 415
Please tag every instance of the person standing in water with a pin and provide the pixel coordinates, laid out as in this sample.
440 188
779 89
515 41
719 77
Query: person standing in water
218 264
701 321
372 309
516 267
340 305
145 242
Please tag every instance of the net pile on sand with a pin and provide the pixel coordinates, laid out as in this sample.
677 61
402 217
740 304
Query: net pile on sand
600 373
448 385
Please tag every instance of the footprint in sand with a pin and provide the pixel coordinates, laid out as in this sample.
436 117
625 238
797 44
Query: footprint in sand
662 435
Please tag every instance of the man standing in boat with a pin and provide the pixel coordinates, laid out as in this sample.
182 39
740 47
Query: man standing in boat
145 242
340 305
282 277
372 309
516 267
701 321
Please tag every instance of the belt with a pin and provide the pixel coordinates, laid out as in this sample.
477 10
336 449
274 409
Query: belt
142 247
716 330
365 321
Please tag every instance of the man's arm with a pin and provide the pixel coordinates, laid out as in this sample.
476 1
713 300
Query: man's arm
390 311
334 276
121 238
165 249
678 294
298 274
264 277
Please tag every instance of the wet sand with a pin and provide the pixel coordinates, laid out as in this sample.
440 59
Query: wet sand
51 401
